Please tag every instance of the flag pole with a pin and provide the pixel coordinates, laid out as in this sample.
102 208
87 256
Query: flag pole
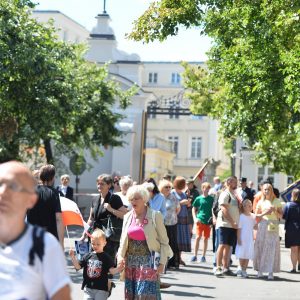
68 237
199 172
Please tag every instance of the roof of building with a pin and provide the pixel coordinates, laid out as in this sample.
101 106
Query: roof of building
57 12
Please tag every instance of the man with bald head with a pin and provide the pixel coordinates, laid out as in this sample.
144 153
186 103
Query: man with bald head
25 274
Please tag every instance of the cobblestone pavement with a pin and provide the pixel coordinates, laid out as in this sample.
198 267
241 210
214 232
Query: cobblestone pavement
196 280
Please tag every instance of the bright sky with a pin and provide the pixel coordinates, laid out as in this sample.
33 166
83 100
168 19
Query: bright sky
187 46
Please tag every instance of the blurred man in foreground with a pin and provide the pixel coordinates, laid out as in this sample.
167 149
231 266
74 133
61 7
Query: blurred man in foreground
32 262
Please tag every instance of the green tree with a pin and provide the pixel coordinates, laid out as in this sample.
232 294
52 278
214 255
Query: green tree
49 94
253 85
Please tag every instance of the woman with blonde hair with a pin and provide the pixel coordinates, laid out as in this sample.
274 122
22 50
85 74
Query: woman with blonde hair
143 241
267 246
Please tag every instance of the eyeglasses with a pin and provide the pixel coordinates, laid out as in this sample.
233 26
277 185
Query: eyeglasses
168 187
15 187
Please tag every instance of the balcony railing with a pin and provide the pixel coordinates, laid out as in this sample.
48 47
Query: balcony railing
159 143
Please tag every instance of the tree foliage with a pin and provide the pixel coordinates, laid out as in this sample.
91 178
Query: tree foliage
49 93
253 84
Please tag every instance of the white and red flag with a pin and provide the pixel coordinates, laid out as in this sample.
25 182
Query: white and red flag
71 214
199 175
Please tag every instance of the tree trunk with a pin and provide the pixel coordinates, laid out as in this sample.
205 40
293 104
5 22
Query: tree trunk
48 149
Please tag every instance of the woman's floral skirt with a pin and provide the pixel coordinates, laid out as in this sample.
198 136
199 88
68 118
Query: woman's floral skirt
141 279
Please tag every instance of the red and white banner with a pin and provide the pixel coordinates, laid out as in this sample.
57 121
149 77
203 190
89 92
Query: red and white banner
71 214
199 175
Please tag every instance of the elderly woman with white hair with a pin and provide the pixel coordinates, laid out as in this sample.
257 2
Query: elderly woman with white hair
173 208
143 237
125 183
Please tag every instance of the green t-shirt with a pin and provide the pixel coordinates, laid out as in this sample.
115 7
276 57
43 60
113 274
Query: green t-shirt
204 207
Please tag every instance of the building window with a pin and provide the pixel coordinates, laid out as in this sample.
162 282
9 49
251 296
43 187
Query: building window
174 114
196 147
173 109
270 176
174 140
152 78
175 78
261 174
151 110
65 36
265 174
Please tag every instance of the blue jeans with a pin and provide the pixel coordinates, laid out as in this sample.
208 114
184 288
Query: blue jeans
217 242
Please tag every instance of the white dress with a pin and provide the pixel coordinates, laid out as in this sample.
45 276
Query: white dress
246 249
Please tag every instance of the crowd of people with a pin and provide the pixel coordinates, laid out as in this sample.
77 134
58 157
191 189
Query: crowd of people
139 231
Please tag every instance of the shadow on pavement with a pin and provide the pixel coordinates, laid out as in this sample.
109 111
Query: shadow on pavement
277 278
185 294
199 266
169 277
197 286
253 277
195 272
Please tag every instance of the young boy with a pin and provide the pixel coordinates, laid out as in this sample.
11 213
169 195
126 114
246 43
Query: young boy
96 266
202 211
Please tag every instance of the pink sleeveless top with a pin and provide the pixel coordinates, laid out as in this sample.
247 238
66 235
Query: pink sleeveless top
136 232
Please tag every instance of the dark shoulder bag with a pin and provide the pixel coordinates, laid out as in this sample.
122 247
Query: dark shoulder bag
113 227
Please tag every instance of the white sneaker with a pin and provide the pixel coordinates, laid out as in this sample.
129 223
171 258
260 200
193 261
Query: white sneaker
239 273
244 274
219 271
270 276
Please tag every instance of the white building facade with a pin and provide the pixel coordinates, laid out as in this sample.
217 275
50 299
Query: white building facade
68 30
195 138
171 143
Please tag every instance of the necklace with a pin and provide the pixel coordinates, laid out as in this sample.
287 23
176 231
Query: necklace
141 219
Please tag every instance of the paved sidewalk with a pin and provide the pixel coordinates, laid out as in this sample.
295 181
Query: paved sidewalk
196 280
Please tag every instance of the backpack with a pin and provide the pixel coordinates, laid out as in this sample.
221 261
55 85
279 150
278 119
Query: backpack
216 207
37 244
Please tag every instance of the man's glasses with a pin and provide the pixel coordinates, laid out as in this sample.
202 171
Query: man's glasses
15 187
